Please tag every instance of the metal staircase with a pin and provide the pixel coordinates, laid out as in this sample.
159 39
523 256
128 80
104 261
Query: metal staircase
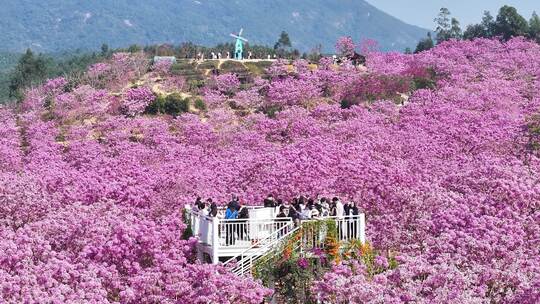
312 237
246 260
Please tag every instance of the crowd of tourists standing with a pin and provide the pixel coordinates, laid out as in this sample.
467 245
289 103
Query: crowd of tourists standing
300 208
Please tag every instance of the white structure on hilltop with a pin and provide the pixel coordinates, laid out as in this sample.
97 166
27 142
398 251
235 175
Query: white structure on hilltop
171 59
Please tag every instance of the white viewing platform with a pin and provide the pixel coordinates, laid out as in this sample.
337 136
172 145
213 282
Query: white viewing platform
246 240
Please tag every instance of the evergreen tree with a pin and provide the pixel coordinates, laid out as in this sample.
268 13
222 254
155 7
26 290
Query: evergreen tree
283 42
455 29
474 31
105 50
30 70
509 23
134 48
488 23
534 27
443 25
425 44
485 29
447 28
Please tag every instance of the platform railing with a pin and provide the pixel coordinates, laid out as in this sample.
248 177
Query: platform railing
245 232
348 228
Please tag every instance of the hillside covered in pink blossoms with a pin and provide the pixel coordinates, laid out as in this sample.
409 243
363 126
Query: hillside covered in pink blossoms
439 149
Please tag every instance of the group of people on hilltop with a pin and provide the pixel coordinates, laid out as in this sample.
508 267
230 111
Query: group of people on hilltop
218 56
208 208
235 211
305 207
300 208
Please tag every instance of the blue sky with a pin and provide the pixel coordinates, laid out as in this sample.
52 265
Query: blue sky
422 12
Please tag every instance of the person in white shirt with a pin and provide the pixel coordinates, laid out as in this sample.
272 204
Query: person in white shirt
205 211
340 210
340 215
306 213
314 212
279 204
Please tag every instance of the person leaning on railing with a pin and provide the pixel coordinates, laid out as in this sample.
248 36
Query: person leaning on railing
230 214
353 212
294 214
281 220
213 210
243 216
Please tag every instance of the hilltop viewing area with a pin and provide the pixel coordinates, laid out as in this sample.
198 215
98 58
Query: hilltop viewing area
264 230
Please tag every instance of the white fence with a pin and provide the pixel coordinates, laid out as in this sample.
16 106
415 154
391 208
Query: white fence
247 232
348 228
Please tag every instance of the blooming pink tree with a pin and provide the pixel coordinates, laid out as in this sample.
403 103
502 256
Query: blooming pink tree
278 69
162 67
345 46
137 99
227 84
368 46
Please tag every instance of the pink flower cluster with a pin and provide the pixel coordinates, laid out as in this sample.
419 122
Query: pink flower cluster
137 99
345 46
162 67
227 83
55 86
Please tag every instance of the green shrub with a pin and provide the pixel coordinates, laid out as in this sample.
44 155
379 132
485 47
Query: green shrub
229 64
195 84
208 65
423 83
258 68
347 103
156 106
199 104
533 132
271 111
173 105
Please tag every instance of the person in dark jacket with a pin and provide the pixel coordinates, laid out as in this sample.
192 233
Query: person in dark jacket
294 214
281 220
354 211
243 215
347 208
198 203
269 201
213 210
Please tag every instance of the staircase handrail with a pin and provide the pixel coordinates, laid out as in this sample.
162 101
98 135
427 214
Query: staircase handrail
246 261
257 244
268 250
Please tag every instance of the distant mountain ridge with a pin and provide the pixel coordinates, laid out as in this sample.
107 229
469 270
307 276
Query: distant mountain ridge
58 25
